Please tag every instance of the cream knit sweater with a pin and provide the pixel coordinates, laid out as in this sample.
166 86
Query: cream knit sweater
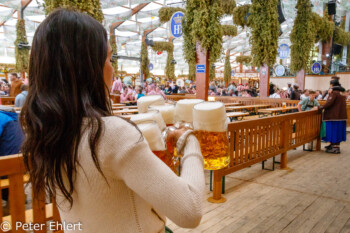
140 190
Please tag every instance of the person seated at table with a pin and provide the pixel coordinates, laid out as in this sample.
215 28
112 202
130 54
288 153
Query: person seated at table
295 95
126 96
308 103
305 94
335 116
139 93
98 167
11 138
21 97
16 84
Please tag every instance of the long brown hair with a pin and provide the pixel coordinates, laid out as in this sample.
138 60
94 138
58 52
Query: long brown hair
66 84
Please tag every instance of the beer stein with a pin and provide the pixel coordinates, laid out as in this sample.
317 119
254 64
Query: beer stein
167 111
153 136
184 109
153 115
145 101
210 128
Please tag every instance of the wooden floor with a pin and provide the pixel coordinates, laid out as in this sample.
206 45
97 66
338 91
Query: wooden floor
313 195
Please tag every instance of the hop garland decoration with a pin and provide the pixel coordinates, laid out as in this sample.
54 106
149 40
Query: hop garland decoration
265 32
113 44
229 30
165 13
244 59
22 54
202 23
212 75
91 7
169 48
302 36
144 61
227 70
239 15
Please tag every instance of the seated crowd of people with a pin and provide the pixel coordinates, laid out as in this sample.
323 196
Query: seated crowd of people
18 88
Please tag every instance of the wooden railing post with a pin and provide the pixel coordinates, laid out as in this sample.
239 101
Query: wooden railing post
217 187
284 142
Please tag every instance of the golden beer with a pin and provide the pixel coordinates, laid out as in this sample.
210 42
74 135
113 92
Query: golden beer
153 136
210 125
168 159
214 148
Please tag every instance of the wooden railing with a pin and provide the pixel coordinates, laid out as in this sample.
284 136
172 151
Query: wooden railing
254 141
12 166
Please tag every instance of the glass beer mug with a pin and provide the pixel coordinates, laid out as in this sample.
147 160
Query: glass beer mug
153 136
153 115
145 101
167 111
184 110
210 128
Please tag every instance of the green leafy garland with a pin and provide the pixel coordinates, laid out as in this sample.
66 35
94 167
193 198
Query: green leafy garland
302 36
244 59
203 24
227 70
265 31
169 48
229 30
341 37
192 71
239 15
165 13
22 54
112 42
144 60
212 75
324 28
228 6
91 7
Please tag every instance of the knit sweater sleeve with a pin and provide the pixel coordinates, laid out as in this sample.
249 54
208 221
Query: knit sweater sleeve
178 198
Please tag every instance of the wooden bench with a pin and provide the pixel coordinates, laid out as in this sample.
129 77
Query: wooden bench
41 212
7 101
247 107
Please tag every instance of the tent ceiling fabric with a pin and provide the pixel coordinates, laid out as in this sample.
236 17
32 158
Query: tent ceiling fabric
129 32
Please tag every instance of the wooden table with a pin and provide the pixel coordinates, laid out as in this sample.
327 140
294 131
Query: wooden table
124 107
247 107
118 105
233 115
278 110
232 104
125 111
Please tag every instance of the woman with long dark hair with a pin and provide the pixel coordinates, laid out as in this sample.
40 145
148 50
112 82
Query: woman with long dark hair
97 166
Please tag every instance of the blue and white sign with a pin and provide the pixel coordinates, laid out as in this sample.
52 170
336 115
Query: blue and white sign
150 66
316 68
176 24
283 51
280 70
200 68
232 73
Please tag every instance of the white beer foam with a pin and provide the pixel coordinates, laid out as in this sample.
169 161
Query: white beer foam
145 101
184 108
167 111
210 116
153 136
149 116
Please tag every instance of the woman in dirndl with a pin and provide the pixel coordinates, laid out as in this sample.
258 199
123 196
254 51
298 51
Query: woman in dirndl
335 117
